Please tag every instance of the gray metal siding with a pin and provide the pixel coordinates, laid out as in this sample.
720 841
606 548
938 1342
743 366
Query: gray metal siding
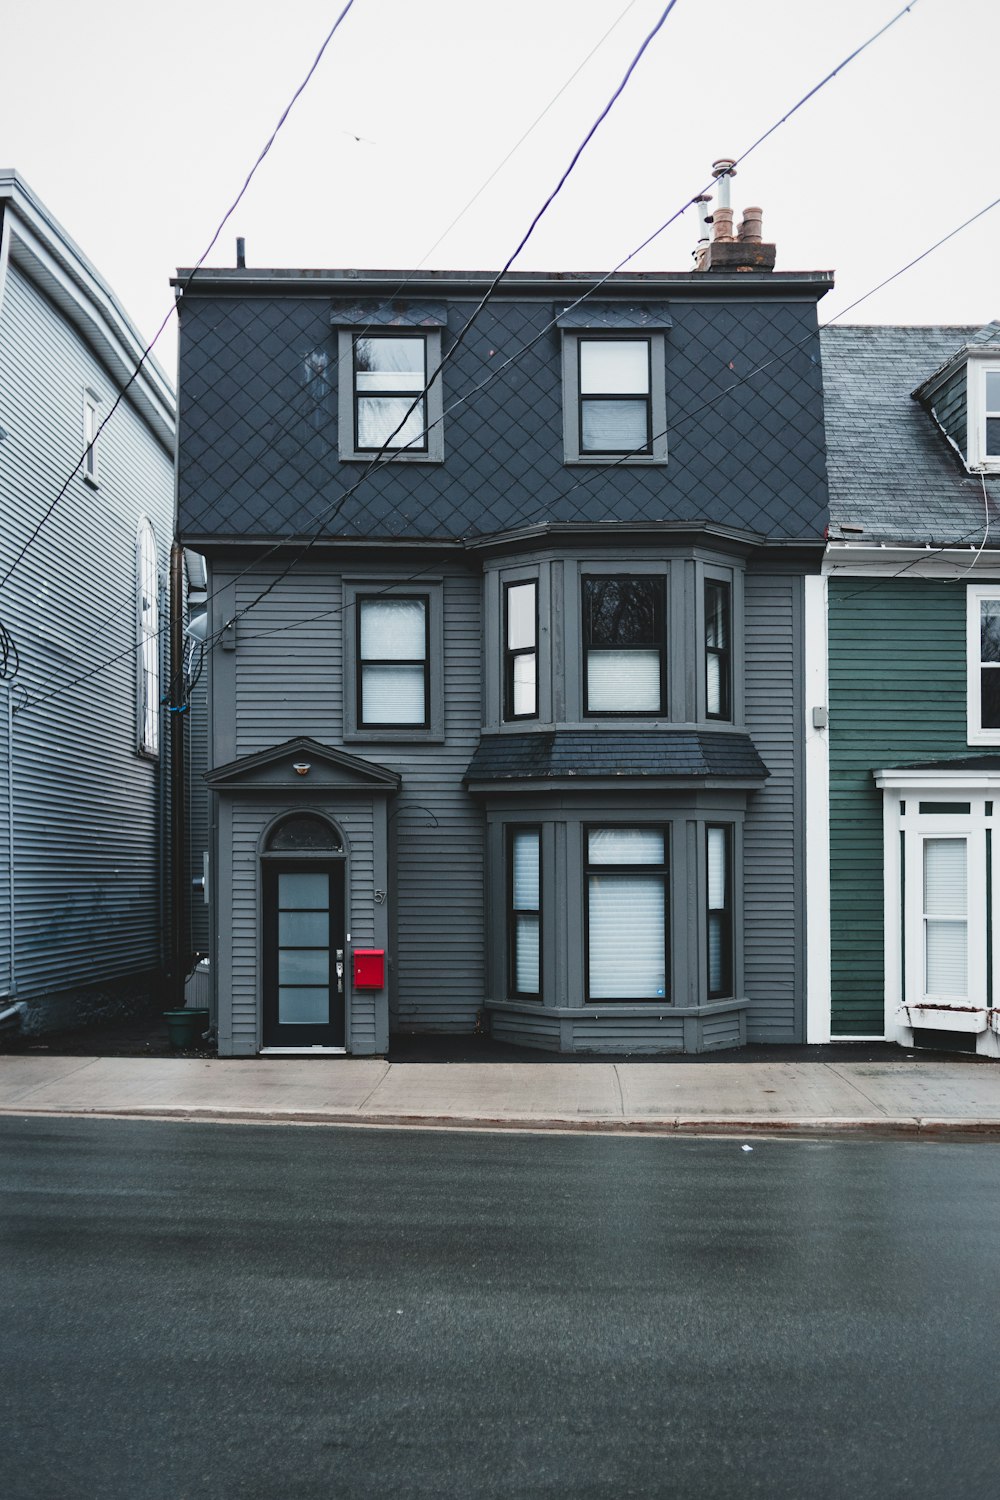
288 681
198 835
88 808
772 851
6 847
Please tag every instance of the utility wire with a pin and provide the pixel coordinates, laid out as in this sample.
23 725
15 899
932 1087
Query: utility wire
380 459
172 310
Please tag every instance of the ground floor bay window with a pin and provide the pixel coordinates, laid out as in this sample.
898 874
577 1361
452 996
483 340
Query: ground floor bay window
942 918
616 926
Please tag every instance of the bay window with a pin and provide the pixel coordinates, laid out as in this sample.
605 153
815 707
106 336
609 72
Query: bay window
718 657
525 912
719 845
521 651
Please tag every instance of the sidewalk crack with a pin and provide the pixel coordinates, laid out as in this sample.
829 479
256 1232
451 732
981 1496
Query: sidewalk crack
832 1068
621 1094
375 1086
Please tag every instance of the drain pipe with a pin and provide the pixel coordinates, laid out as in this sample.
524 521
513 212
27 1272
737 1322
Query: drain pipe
179 942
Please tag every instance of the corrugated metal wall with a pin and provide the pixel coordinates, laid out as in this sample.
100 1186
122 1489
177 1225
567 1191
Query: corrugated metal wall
897 695
772 851
6 847
88 808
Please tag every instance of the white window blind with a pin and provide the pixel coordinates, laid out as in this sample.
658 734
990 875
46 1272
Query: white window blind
526 901
946 941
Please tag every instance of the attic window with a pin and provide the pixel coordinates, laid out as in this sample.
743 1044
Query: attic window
983 402
991 414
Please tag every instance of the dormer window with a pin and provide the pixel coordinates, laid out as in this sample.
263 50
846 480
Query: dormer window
991 415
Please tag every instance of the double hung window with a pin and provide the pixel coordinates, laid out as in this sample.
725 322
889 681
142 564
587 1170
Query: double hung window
148 630
624 639
390 374
627 913
615 396
525 912
520 692
983 651
720 911
991 415
718 659
392 661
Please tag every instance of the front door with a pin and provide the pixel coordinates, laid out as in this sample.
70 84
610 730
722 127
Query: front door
303 953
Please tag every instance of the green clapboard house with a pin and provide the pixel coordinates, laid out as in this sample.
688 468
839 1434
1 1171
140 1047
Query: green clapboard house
913 738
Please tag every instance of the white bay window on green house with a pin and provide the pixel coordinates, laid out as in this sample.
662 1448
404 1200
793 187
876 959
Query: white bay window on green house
941 894
983 655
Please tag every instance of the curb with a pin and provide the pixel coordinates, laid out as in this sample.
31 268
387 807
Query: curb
787 1127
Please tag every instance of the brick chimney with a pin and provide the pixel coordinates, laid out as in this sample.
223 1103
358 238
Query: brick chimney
726 251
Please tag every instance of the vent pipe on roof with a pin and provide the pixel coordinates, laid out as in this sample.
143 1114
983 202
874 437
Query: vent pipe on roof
241 253
730 250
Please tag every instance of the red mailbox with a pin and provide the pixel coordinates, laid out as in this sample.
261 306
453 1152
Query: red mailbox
369 968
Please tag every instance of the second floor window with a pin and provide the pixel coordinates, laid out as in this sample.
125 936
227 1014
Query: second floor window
389 375
90 426
615 406
520 692
624 643
392 662
718 658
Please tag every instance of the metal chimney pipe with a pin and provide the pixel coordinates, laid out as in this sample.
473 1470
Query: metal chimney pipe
722 171
241 253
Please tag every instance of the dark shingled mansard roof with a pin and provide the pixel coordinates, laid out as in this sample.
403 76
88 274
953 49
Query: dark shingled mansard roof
586 755
889 466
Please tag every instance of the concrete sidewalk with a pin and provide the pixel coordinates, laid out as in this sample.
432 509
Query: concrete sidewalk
939 1097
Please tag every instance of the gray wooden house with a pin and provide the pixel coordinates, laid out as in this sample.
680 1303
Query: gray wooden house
506 732
82 785
909 855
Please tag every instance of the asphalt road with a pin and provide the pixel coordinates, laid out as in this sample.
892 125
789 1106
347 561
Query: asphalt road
193 1311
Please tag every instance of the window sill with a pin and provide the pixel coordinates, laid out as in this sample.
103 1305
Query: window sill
619 1007
622 461
392 455
393 737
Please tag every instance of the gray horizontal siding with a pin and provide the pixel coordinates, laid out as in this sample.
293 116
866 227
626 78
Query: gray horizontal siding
87 813
6 863
289 676
773 939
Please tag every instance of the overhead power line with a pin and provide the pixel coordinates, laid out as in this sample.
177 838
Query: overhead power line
33 534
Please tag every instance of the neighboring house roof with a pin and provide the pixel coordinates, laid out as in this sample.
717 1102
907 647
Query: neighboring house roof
890 468
585 755
41 248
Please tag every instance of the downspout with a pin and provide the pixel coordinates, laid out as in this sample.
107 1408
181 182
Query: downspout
179 941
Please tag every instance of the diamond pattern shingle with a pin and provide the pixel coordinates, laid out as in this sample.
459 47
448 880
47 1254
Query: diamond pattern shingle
258 423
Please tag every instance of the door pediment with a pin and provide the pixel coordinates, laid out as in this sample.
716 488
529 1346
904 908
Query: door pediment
306 765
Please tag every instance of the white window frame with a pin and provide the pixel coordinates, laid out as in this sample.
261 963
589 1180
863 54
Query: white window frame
975 404
907 1006
91 423
975 594
148 653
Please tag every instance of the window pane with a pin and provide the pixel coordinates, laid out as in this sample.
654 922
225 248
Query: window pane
526 955
304 892
379 416
389 364
303 1007
520 616
716 952
613 426
304 832
993 390
944 878
623 611
946 958
303 929
392 695
525 700
393 629
713 685
625 846
623 682
303 966
610 367
717 868
717 616
525 860
993 437
626 934
990 695
989 629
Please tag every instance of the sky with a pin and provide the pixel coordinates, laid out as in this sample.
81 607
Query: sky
137 124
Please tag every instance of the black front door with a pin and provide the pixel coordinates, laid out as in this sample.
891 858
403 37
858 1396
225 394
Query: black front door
303 953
